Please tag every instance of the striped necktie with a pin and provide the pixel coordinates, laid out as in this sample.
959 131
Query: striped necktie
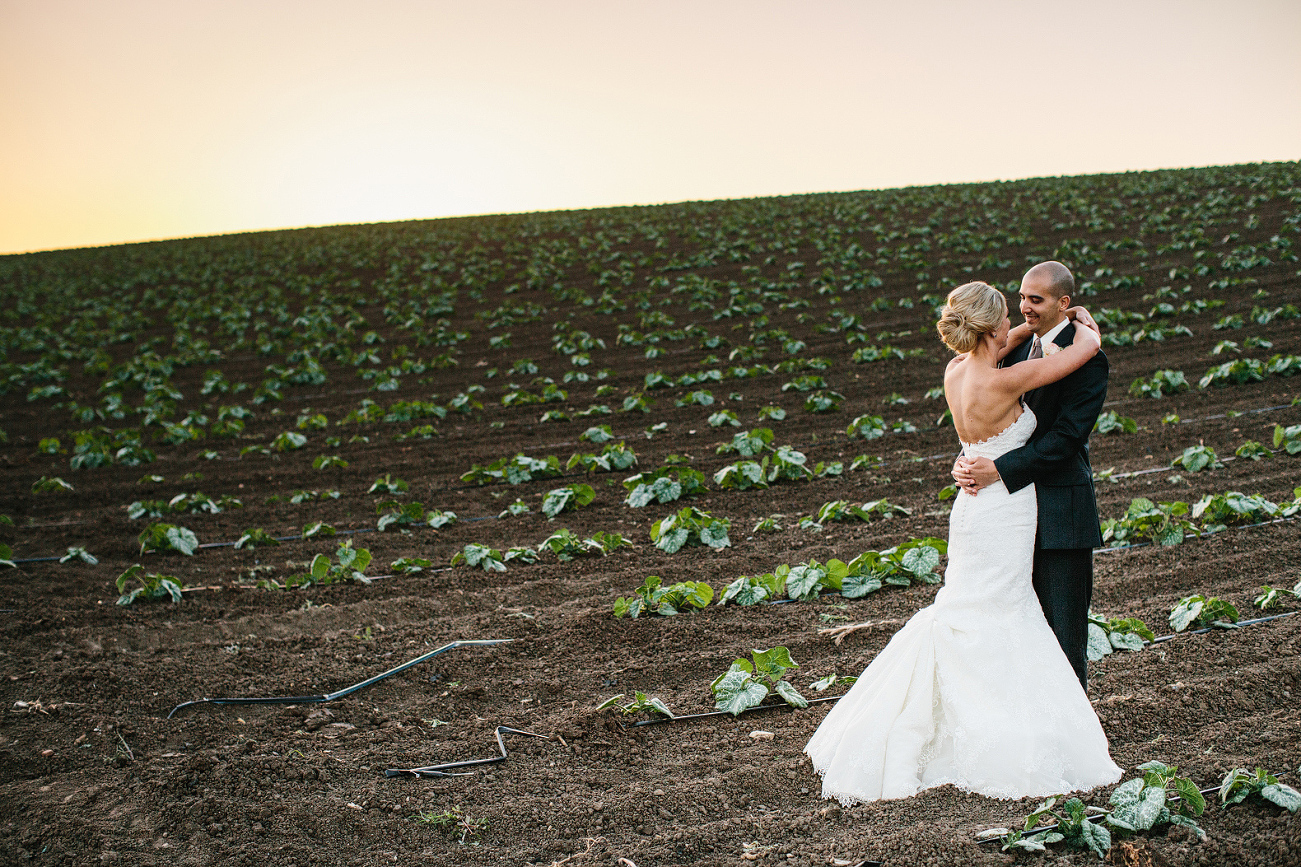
1036 348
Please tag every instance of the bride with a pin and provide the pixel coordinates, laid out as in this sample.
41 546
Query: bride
975 690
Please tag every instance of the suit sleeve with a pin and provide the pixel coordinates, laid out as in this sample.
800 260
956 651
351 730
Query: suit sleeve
1085 390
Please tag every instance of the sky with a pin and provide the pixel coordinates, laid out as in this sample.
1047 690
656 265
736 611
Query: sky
135 120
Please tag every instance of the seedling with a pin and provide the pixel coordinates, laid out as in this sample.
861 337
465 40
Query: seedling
653 598
1239 784
742 686
152 586
487 559
640 702
690 526
567 498
45 485
168 537
1197 458
1198 611
1111 422
1117 633
255 537
76 552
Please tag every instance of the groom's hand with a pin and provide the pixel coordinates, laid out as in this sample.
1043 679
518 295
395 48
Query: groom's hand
972 474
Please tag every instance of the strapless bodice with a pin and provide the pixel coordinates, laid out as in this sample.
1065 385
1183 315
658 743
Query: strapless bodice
1011 437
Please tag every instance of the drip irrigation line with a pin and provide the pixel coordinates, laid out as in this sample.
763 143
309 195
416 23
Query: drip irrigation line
331 696
446 769
1205 629
656 721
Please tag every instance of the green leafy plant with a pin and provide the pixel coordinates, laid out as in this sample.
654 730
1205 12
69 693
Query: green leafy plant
386 484
45 485
77 552
1288 438
1217 511
1252 450
317 528
869 427
1111 422
1235 372
1197 458
1117 633
748 443
348 566
152 586
168 537
614 456
639 703
843 510
1270 596
1198 611
690 526
653 598
567 498
743 685
410 565
1239 784
1159 797
663 485
1146 521
255 537
1160 384
326 462
487 559
455 822
288 441
515 470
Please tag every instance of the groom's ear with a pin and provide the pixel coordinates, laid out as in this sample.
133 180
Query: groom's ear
1063 302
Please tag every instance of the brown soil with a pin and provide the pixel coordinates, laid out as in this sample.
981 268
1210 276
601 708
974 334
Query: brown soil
95 773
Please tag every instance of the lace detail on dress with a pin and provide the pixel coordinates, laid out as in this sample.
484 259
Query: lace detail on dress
946 701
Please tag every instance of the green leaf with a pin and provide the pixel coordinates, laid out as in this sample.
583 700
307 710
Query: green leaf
673 541
804 581
1285 796
714 535
921 561
737 692
183 540
1128 792
856 586
320 567
1096 837
790 693
1190 795
1099 645
1149 806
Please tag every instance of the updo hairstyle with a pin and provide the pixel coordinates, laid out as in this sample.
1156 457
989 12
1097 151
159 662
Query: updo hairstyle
971 310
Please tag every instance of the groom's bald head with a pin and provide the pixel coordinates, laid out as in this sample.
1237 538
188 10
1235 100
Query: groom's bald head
1052 277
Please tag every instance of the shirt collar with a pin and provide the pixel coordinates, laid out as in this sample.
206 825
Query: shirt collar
1054 331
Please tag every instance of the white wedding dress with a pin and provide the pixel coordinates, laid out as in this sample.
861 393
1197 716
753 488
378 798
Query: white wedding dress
974 690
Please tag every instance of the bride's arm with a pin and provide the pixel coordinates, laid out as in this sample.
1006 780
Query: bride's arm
1038 372
1018 335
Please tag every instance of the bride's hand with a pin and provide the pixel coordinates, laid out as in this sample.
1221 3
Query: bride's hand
1081 317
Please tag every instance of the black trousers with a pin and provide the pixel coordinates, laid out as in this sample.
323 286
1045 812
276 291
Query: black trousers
1063 581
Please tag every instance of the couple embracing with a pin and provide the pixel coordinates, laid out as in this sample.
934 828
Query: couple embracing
985 688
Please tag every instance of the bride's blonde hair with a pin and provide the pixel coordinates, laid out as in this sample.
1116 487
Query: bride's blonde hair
970 310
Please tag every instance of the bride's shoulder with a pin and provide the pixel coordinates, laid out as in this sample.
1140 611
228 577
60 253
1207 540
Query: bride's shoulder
955 361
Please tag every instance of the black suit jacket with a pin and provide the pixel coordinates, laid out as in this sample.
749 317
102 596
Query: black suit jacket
1056 458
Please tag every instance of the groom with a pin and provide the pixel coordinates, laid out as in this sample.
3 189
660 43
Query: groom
1056 460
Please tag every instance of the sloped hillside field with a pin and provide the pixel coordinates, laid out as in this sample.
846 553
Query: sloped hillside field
429 393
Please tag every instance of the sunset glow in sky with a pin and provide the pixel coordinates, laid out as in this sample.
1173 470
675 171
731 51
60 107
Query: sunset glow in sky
134 120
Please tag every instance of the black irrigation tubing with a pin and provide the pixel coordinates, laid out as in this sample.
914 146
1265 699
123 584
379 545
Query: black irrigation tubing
656 721
1205 629
331 696
447 769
